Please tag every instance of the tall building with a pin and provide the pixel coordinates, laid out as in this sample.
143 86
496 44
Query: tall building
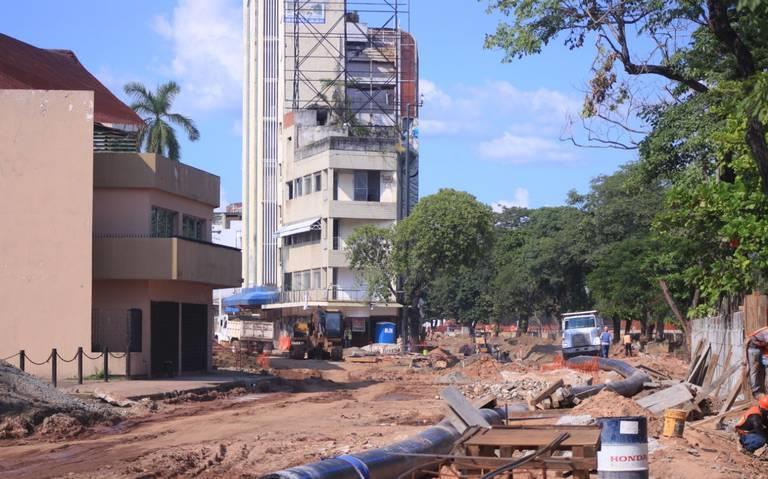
330 114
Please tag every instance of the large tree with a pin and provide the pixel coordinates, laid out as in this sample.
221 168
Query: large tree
695 48
158 135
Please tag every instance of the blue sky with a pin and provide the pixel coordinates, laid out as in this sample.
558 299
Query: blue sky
489 128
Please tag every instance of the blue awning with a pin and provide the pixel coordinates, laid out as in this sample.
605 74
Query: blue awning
253 297
231 309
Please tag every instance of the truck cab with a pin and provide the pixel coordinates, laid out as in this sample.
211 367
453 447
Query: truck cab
581 333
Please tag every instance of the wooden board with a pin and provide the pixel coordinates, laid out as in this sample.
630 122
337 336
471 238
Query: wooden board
755 313
545 394
666 398
469 414
694 358
711 369
698 365
534 438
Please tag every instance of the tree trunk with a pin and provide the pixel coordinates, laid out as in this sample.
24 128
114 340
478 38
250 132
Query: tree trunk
616 329
678 315
628 326
660 328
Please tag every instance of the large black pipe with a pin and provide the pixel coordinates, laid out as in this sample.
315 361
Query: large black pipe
386 462
629 386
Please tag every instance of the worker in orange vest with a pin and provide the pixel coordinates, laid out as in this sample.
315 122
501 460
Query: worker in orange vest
757 360
753 426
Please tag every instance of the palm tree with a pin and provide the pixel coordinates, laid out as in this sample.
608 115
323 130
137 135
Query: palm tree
158 136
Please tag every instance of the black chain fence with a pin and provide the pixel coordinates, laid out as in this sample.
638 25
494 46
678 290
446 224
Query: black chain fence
54 357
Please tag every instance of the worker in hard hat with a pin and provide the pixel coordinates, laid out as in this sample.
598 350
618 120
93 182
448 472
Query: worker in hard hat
753 426
757 360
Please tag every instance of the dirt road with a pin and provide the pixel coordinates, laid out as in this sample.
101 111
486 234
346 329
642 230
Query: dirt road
243 436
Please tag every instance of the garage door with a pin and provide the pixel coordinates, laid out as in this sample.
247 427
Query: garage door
165 338
194 337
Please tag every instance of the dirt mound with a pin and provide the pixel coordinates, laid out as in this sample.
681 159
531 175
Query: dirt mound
609 404
484 367
26 402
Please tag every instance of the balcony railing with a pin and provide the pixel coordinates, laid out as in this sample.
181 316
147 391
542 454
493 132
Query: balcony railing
330 294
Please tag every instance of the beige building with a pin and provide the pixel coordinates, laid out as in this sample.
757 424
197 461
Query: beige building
117 251
329 115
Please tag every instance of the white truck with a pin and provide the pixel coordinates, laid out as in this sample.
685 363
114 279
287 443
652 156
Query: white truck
581 333
251 332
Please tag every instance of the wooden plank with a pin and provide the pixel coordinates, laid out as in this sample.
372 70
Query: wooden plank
545 394
726 363
667 398
654 372
529 438
731 397
707 391
469 414
487 401
755 313
694 357
710 369
719 417
698 365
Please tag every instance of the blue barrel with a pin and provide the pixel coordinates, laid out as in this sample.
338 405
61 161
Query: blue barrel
623 450
385 333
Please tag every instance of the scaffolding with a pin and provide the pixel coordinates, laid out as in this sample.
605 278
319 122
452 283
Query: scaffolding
351 61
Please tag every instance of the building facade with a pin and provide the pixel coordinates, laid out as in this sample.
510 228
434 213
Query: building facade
330 111
118 253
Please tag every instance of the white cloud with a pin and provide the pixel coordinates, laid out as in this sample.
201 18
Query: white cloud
434 95
519 149
520 199
206 37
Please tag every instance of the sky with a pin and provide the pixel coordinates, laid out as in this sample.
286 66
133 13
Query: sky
492 129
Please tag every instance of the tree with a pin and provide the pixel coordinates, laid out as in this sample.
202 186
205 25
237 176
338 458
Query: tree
446 232
158 136
694 47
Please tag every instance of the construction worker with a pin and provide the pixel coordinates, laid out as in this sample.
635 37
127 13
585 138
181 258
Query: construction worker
753 426
757 360
627 345
605 342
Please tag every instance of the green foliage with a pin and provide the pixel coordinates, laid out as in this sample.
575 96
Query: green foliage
158 136
369 252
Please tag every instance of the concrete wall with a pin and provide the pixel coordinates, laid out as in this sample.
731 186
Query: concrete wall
722 333
46 174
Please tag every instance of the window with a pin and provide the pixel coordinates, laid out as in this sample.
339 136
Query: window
312 236
163 223
289 187
297 187
193 228
367 185
335 185
305 280
318 182
316 279
287 281
297 286
308 184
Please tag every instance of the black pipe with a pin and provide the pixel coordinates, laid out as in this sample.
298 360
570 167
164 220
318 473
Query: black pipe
629 386
385 462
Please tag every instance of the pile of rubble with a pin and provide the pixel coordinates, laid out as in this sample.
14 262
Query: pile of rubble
520 390
27 404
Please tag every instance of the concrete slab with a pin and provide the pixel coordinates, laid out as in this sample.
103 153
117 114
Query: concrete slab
140 388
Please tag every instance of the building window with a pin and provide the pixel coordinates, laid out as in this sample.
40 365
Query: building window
308 184
318 182
305 280
287 281
312 236
367 185
289 186
193 228
316 279
163 222
297 187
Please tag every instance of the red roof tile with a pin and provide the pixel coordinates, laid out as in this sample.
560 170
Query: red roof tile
25 67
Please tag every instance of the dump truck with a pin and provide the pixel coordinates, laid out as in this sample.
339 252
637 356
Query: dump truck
246 331
581 333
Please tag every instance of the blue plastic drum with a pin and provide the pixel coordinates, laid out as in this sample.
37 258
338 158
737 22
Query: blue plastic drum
623 450
385 333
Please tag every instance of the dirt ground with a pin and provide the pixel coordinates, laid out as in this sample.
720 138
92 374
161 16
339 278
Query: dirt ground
321 409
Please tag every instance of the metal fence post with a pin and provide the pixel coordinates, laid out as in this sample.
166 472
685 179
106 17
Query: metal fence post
21 359
128 363
80 365
106 365
54 356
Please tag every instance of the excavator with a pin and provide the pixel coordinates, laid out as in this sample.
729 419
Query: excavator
320 338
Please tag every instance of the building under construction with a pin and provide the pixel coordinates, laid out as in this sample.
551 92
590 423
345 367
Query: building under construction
330 143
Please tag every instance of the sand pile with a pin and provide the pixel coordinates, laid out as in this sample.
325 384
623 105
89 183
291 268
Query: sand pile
27 403
609 404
